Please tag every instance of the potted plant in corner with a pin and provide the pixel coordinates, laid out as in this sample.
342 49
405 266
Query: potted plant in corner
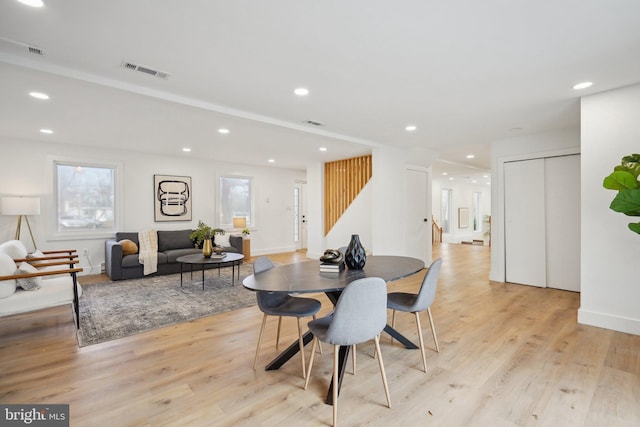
624 180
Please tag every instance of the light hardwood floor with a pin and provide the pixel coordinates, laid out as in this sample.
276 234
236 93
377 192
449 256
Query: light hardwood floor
510 356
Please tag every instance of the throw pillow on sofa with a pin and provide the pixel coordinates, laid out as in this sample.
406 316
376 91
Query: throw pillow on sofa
14 248
28 283
36 254
128 247
222 240
7 268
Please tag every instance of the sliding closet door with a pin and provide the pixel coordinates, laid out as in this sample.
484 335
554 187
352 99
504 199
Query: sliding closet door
562 176
524 215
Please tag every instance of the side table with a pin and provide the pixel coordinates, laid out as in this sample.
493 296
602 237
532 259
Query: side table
246 247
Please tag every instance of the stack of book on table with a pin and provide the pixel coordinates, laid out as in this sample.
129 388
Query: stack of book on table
327 267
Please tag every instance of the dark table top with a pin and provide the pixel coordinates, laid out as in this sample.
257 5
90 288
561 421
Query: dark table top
306 276
200 259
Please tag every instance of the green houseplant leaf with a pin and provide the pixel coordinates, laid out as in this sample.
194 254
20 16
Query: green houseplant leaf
620 180
624 180
632 164
635 227
627 201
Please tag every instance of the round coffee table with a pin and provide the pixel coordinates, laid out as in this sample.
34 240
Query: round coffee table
230 259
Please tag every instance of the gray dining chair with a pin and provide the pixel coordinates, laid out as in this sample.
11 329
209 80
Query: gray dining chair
282 304
416 303
343 250
359 315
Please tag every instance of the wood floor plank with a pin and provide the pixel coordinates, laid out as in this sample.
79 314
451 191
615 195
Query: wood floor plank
510 355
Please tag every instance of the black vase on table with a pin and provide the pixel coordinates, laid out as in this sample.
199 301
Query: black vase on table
355 257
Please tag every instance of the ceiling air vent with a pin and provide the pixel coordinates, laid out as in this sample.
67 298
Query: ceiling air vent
313 123
30 48
36 50
150 71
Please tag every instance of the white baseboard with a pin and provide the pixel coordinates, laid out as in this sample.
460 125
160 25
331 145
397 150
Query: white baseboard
607 321
270 251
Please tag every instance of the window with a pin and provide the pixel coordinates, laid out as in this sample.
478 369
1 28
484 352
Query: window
477 212
85 198
446 209
236 199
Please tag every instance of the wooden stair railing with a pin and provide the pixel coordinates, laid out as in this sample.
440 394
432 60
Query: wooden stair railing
436 231
343 181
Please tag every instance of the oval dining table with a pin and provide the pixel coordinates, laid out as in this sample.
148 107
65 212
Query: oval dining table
305 277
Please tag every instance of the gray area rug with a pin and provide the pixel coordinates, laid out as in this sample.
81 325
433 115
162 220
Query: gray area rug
112 310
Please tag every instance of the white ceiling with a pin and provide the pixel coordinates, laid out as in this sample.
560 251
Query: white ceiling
465 72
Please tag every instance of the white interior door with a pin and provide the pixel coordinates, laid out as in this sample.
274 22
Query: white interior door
303 218
416 224
301 215
562 175
524 216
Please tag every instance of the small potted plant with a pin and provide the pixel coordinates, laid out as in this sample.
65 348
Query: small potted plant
246 232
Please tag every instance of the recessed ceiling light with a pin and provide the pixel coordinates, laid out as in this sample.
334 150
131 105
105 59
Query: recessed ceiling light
32 3
516 129
301 91
271 161
583 85
470 156
323 148
223 131
410 128
445 173
485 176
473 181
186 149
47 131
39 95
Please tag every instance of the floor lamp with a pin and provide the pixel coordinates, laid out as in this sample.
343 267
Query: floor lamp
21 206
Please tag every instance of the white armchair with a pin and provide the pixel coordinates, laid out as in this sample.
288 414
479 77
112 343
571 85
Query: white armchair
50 276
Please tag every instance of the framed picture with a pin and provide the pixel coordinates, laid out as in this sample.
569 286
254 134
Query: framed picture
463 217
172 198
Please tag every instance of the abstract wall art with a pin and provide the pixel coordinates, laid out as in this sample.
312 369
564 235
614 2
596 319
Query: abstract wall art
172 198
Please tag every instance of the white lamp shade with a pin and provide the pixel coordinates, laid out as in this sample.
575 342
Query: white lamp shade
20 206
239 222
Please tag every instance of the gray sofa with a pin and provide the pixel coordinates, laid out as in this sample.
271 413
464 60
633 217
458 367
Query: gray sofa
171 245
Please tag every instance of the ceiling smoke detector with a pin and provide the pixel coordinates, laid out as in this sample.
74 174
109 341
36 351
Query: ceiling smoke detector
313 123
141 68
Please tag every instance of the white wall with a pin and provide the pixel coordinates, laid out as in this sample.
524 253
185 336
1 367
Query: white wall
315 212
544 144
610 282
387 208
25 170
462 197
355 220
